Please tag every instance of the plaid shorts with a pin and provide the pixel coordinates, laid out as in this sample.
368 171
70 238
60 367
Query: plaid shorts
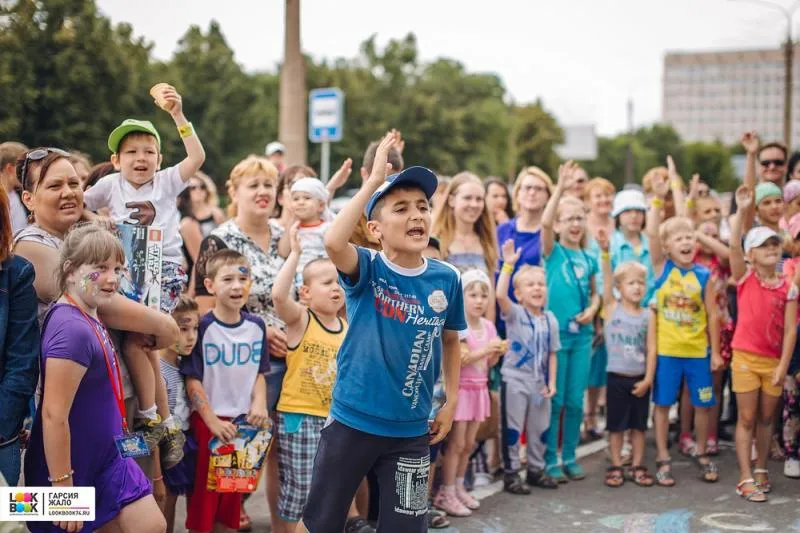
296 453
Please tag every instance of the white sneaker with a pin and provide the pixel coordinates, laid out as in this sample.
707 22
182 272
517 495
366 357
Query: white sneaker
791 468
482 479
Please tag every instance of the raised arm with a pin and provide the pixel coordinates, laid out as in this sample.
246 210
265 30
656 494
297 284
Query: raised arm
340 177
566 178
609 302
691 205
291 312
337 239
744 202
195 154
717 247
676 186
751 144
660 188
510 258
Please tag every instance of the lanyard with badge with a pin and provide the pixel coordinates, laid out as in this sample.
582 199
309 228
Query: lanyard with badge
129 444
543 361
574 326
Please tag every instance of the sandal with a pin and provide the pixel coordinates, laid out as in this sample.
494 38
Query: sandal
752 494
708 471
437 519
686 444
639 475
513 484
245 523
614 477
712 447
664 478
764 485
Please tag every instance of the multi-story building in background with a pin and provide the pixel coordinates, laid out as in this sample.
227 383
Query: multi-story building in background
718 95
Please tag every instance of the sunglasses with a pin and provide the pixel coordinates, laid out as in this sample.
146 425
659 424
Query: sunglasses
773 162
35 155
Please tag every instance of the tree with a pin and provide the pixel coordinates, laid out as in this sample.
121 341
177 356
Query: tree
536 134
67 77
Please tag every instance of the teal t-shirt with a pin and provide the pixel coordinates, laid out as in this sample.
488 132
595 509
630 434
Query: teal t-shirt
569 289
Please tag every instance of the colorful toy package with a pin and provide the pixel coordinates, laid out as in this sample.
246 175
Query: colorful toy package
235 466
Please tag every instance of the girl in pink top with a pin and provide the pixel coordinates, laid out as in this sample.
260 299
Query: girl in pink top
762 346
479 352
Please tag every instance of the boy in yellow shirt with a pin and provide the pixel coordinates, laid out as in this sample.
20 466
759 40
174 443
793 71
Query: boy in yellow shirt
314 333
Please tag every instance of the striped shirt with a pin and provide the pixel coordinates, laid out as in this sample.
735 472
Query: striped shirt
176 394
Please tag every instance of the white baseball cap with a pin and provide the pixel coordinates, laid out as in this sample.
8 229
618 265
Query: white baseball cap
758 236
273 147
628 200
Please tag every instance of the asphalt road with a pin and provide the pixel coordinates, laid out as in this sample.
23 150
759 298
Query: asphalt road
589 507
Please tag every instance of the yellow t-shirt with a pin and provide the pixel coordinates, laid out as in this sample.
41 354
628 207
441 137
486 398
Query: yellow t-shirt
311 370
680 306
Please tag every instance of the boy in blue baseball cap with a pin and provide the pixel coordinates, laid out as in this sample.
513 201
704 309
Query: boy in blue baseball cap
406 313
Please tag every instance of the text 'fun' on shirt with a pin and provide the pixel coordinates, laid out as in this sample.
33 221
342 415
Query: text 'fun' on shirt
152 204
625 336
227 359
681 310
531 339
569 284
311 370
392 353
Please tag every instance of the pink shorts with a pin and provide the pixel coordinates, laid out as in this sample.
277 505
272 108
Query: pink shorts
473 403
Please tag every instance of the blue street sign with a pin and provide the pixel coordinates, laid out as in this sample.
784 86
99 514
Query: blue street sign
325 115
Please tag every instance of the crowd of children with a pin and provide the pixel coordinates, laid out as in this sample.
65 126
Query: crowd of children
650 290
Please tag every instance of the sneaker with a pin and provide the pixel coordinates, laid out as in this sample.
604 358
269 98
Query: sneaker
358 525
791 468
513 484
574 471
152 430
555 472
482 479
171 448
447 501
537 478
466 498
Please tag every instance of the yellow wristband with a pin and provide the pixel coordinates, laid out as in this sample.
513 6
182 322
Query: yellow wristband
508 268
657 203
689 203
59 479
604 256
186 130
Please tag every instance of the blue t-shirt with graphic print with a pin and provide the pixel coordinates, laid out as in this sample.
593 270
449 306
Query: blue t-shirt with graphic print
391 355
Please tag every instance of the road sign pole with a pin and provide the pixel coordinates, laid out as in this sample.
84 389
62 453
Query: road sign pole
325 164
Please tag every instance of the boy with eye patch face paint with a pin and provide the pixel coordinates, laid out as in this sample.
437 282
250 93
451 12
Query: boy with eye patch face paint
225 377
405 314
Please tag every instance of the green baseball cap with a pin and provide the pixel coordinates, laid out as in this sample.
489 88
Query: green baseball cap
129 125
767 189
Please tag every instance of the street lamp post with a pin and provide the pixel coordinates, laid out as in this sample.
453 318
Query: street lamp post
788 58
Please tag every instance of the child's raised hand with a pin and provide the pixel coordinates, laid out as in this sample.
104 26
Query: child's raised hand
294 240
673 172
750 142
640 388
400 143
174 100
660 186
694 186
340 178
744 197
566 175
602 239
380 168
510 254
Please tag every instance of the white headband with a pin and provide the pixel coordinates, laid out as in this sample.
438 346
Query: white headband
313 187
471 276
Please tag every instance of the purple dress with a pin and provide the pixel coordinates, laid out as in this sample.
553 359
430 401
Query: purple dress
94 422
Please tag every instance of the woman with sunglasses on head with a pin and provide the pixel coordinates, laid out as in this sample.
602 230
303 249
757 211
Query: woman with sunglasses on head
200 215
51 191
19 346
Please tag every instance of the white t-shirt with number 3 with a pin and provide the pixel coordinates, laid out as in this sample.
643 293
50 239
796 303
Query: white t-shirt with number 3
152 204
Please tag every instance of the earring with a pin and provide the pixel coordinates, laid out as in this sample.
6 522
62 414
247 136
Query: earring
31 219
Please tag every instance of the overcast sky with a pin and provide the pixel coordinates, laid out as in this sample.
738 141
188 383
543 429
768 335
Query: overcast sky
584 58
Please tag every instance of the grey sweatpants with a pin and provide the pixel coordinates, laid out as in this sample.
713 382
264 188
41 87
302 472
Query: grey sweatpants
523 410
